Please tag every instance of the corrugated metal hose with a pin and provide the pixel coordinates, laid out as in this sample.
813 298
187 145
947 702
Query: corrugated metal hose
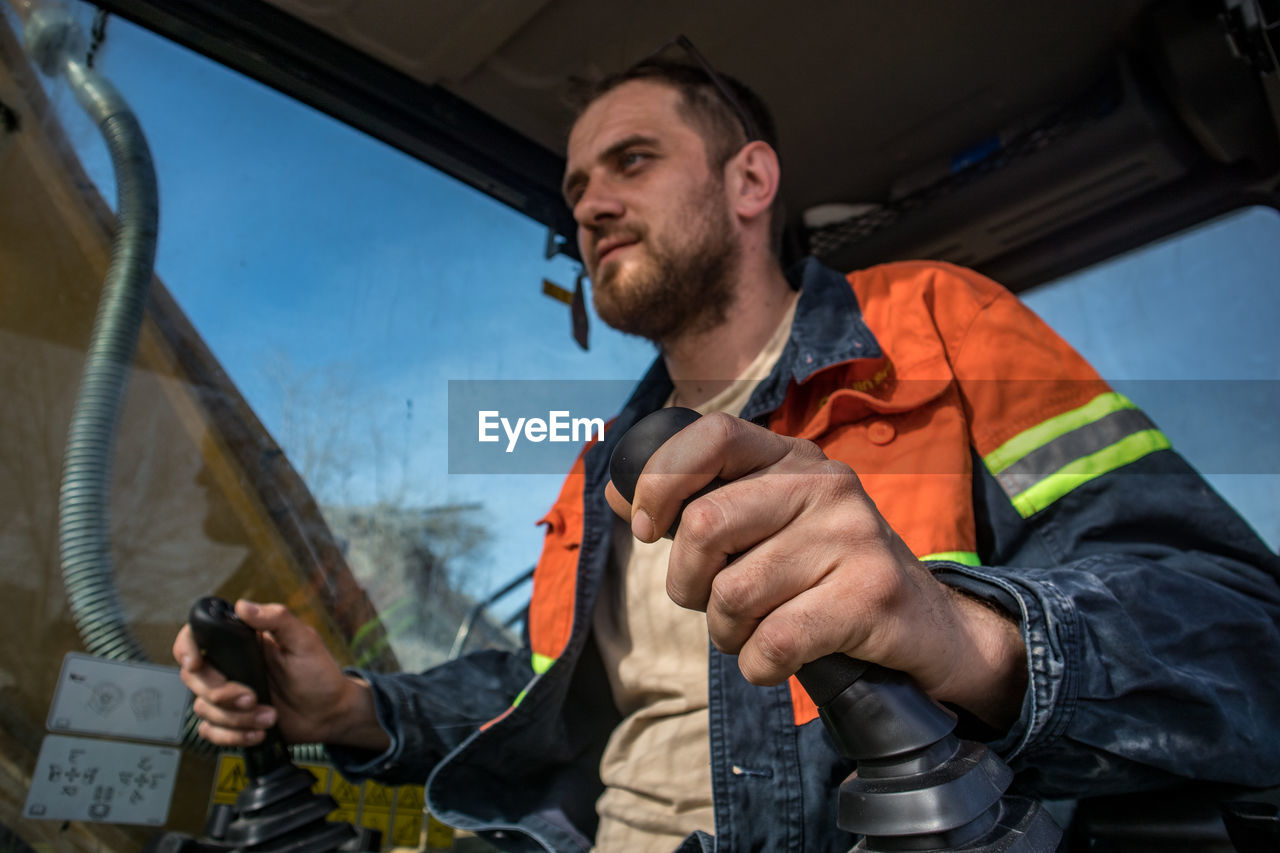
53 40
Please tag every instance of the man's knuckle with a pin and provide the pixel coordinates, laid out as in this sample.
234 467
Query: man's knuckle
225 694
684 584
731 596
725 644
680 593
700 523
840 474
859 525
881 593
725 424
804 448
776 644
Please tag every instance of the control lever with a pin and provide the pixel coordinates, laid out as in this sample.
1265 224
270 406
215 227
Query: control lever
232 648
917 786
276 811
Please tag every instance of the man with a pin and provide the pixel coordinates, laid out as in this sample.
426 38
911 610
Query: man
1016 537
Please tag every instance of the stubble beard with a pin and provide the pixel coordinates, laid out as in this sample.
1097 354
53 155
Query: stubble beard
680 287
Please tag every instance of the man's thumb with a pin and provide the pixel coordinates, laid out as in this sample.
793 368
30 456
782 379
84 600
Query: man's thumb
276 618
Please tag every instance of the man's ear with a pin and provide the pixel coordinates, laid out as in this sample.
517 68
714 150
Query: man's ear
753 175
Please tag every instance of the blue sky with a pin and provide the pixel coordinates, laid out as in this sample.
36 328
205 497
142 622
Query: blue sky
302 249
314 259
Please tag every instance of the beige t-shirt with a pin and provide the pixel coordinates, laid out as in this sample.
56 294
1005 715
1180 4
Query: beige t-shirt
657 765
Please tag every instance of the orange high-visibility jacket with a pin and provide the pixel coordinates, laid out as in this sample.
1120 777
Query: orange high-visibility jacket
1148 607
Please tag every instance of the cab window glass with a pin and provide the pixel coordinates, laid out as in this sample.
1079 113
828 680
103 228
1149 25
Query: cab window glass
283 432
342 285
1185 328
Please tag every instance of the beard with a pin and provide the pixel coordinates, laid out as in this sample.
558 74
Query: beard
679 286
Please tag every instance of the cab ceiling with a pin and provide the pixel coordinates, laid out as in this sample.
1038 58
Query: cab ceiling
862 91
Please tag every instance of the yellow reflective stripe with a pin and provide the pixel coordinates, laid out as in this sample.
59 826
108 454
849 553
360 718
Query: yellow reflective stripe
1129 449
967 558
540 664
1046 431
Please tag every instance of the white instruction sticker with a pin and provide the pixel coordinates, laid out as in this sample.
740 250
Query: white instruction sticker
102 781
96 696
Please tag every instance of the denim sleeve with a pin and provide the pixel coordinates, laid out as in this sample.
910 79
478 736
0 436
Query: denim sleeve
1150 613
427 714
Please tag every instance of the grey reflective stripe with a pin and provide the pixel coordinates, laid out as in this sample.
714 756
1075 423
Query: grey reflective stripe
1065 449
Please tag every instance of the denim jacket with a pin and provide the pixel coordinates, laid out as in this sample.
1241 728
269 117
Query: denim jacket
1149 609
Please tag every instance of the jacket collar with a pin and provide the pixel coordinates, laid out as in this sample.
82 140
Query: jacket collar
828 329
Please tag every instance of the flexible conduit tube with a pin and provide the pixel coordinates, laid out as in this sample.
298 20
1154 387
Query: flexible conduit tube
54 42
83 520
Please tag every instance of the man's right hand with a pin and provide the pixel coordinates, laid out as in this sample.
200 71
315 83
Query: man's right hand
311 699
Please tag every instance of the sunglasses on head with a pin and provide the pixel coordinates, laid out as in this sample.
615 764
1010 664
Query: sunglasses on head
721 85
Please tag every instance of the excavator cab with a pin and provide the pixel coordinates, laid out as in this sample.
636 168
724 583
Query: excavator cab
354 231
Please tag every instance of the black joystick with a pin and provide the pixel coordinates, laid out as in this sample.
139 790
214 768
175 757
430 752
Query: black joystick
277 812
232 648
917 786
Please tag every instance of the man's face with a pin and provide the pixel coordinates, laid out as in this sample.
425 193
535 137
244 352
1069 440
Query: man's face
653 221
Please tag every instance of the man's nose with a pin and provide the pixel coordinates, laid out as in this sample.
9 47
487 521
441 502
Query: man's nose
597 204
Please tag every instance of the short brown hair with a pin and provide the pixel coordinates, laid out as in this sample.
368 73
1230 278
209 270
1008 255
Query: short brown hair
704 107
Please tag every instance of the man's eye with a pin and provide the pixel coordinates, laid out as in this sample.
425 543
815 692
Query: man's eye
633 158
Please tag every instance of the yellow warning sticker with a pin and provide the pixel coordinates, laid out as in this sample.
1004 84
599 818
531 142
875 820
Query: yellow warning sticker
343 815
322 772
377 797
409 797
406 829
231 778
439 835
345 792
380 821
347 796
